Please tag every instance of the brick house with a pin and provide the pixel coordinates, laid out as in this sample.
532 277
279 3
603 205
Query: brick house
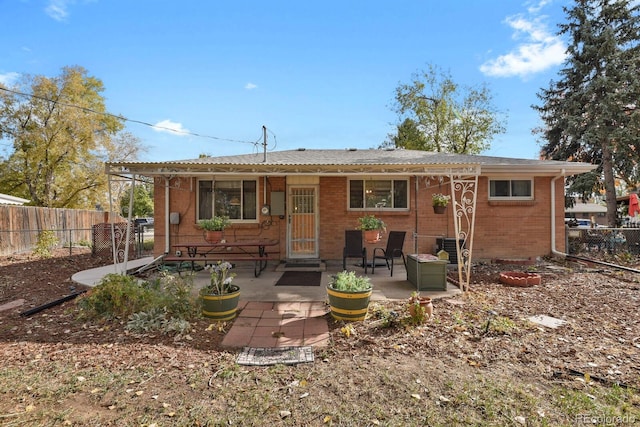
307 198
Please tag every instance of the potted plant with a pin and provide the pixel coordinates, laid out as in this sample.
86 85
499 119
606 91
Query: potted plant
214 227
440 202
349 296
220 298
420 308
371 227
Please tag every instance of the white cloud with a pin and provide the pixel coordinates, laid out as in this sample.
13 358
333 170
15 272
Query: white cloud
57 9
250 86
538 50
171 127
9 79
537 6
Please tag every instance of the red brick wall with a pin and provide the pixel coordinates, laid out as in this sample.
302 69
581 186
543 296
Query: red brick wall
502 229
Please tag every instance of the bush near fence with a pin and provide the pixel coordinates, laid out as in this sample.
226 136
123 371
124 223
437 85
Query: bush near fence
20 226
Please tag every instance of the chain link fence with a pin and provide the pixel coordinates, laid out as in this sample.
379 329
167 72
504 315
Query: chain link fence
99 238
603 240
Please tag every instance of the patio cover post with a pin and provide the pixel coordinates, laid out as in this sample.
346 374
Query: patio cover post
464 196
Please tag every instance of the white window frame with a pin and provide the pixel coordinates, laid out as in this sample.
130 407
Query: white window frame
241 180
385 208
510 180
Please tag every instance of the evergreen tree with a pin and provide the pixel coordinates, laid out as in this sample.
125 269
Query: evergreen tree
591 113
408 136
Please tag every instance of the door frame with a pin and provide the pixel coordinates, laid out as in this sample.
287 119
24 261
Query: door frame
316 225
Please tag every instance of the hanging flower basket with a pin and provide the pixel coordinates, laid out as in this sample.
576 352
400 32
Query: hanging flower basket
439 209
440 202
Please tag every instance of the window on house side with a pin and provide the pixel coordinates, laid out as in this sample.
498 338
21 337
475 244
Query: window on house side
378 193
511 189
237 199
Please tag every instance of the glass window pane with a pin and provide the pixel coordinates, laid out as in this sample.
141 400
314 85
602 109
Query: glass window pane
205 200
356 194
377 193
499 189
400 195
521 188
228 199
249 200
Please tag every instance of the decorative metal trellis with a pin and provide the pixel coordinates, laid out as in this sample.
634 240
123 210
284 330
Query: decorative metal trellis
464 192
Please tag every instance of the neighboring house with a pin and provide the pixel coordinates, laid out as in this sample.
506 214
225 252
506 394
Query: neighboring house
307 198
6 199
588 211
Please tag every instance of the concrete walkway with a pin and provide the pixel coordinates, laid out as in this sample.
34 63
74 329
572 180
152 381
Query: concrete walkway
279 316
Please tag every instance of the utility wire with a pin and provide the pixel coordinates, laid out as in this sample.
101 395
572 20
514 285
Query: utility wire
89 110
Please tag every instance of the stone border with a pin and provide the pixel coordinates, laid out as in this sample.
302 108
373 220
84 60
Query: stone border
520 279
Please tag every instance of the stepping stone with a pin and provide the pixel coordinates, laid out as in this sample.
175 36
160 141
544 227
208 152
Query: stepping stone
11 304
549 322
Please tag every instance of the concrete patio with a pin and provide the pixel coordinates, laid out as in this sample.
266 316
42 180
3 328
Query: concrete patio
279 316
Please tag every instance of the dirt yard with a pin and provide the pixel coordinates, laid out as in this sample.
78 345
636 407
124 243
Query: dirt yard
479 361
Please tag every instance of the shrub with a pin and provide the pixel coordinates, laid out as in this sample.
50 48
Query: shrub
116 296
165 304
46 242
350 282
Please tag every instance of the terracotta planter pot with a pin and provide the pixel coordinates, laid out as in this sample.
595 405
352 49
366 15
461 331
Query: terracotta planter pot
371 236
213 236
426 305
520 279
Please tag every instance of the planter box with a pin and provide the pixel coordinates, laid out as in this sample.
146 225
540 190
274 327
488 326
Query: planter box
427 272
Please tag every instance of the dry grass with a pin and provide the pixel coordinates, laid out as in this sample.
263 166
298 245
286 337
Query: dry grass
478 362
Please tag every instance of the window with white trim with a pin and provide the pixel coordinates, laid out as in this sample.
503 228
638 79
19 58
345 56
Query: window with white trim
511 189
379 194
237 199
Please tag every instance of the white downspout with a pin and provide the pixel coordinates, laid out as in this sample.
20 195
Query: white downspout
167 248
554 251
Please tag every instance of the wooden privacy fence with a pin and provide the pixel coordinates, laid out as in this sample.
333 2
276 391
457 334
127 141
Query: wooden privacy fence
21 225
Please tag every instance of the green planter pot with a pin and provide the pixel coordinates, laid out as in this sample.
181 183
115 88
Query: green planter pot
350 306
221 307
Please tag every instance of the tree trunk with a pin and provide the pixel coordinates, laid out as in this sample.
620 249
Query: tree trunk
609 183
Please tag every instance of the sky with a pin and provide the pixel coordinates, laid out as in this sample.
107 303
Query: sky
315 74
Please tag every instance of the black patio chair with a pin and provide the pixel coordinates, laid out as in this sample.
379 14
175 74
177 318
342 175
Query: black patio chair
393 250
353 248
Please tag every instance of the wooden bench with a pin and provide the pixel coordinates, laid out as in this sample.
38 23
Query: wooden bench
260 262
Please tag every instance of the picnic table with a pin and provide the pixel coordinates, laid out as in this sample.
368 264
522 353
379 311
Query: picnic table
242 250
